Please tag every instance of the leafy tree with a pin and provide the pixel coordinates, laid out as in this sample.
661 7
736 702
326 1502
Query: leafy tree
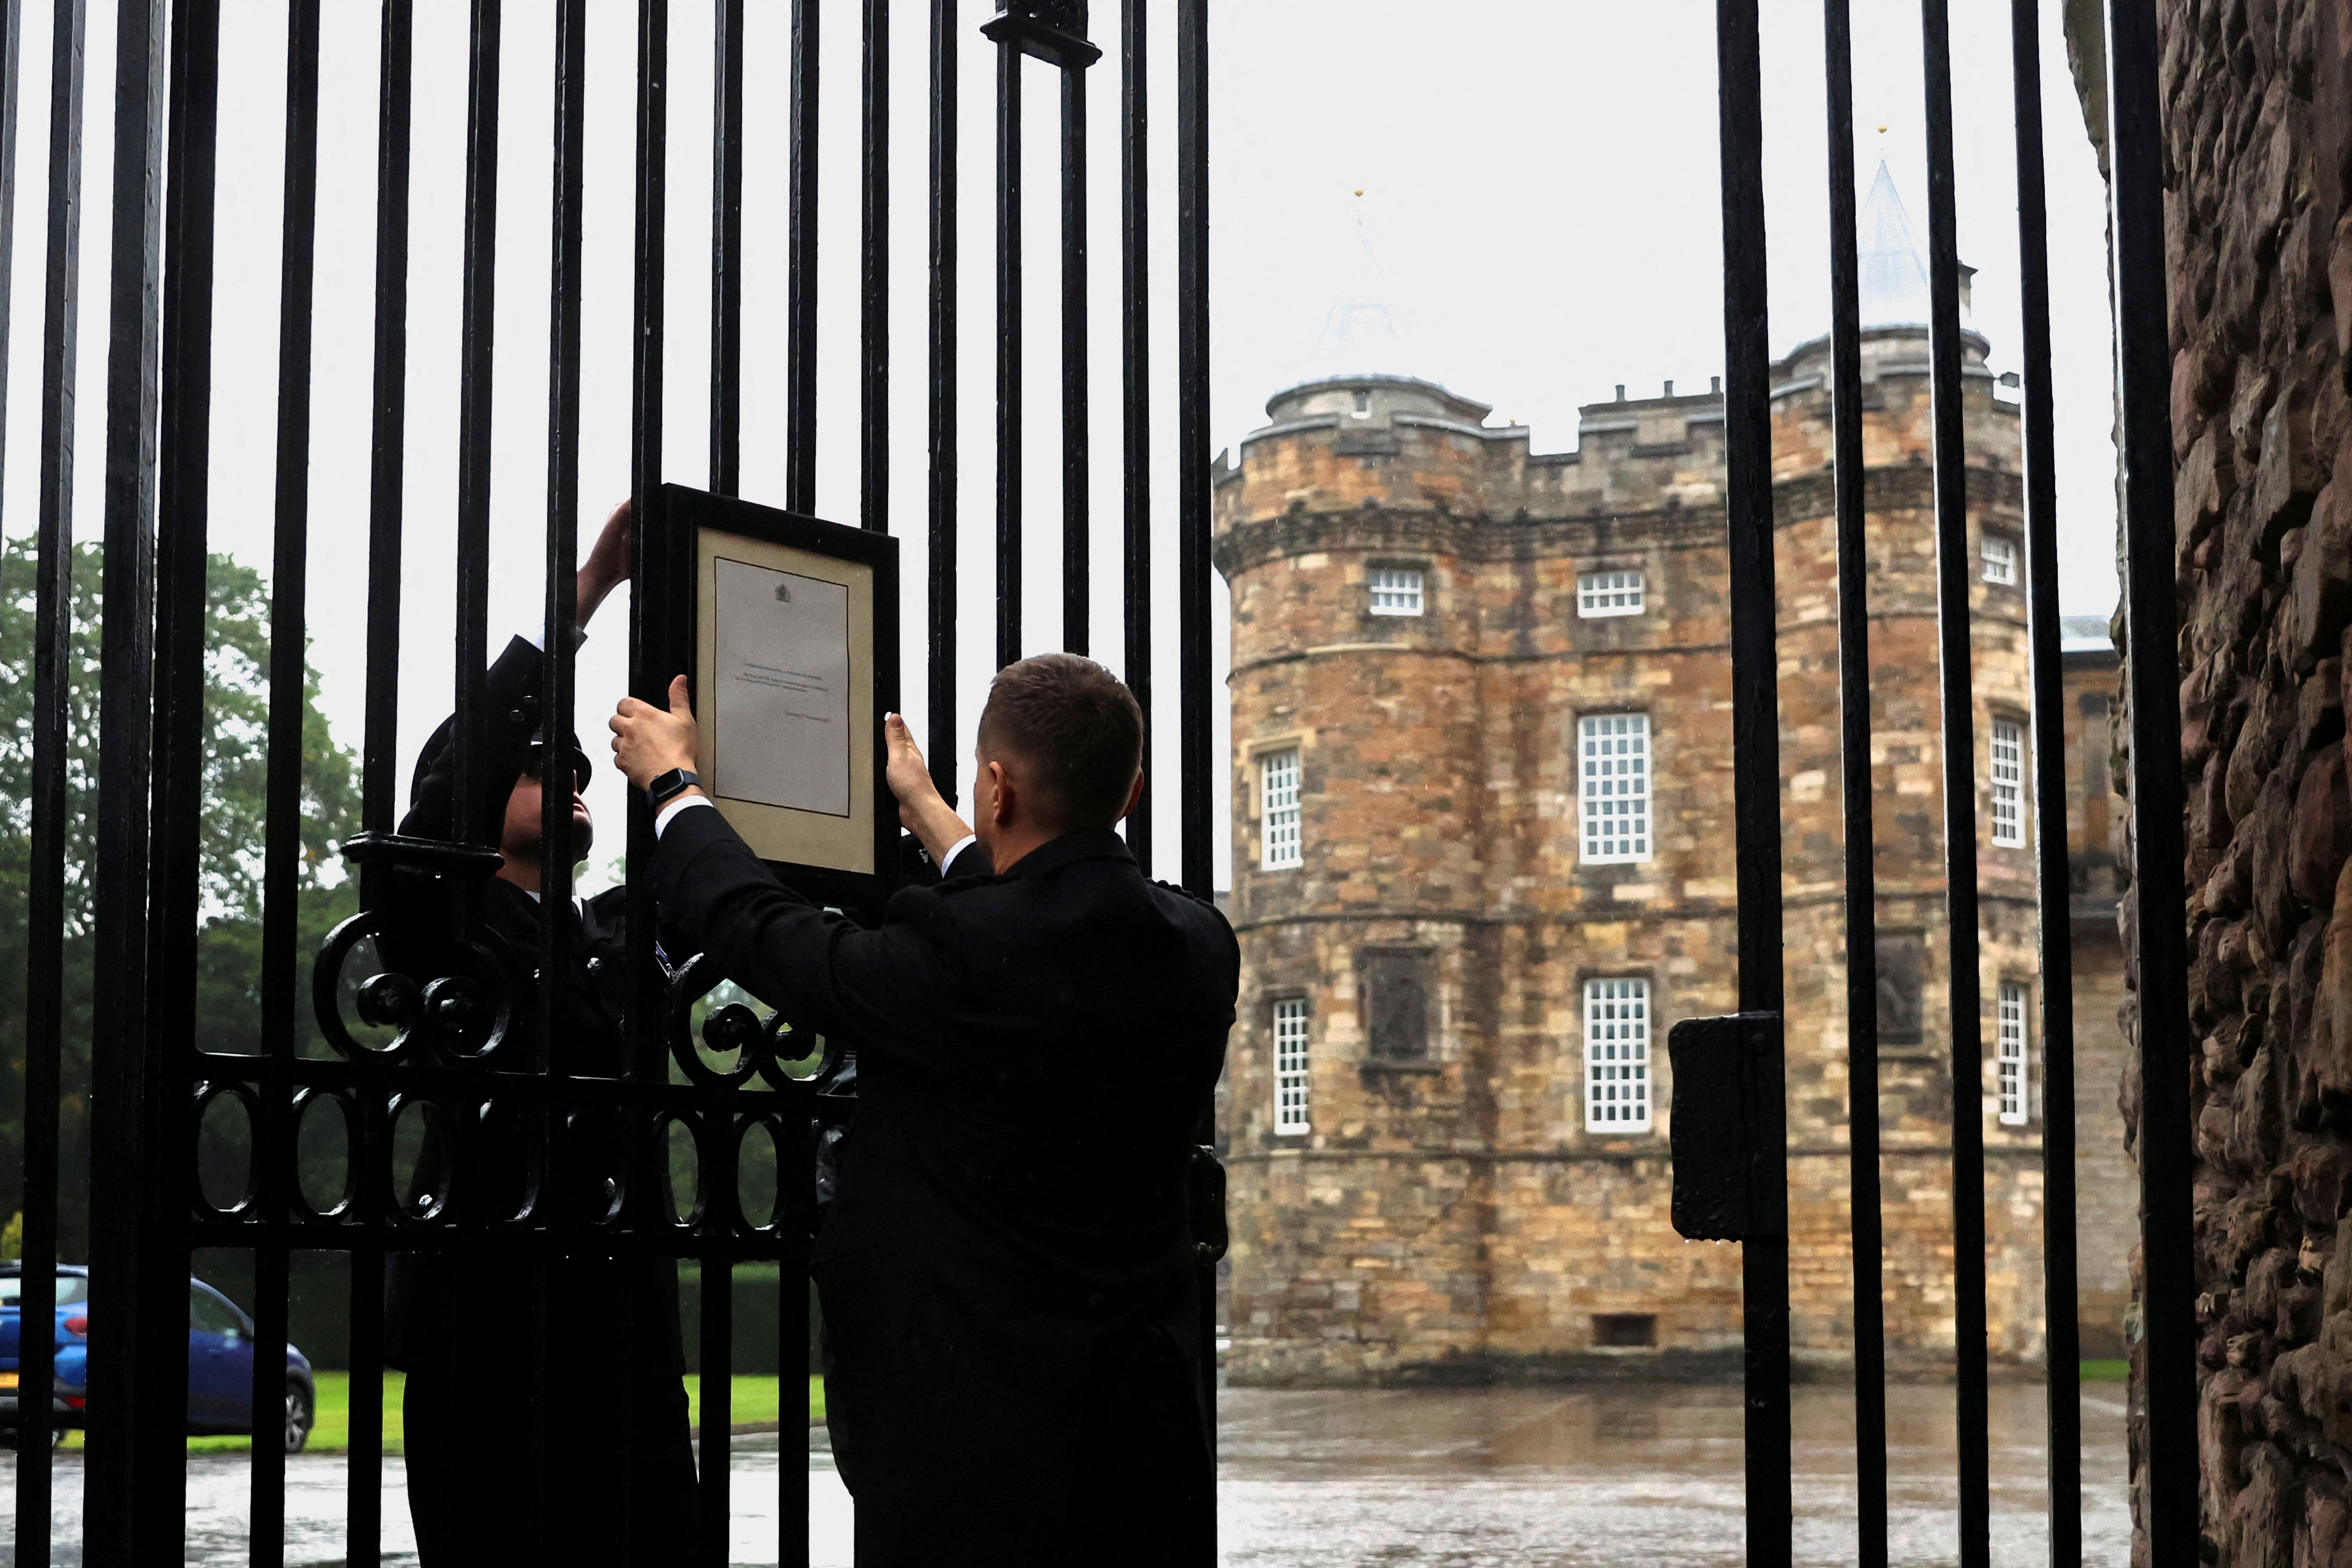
237 711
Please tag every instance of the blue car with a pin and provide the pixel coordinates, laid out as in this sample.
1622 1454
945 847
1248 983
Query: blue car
220 1360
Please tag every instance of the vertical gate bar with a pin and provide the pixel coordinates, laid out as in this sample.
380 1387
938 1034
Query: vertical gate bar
1856 781
1954 582
727 248
796 1151
1135 386
558 645
1756 764
650 642
1193 499
943 747
1077 524
2159 894
52 675
716 1180
468 730
874 276
800 281
2061 1316
1192 567
183 462
379 752
476 364
717 1358
652 639
282 834
1008 348
119 1026
388 436
562 539
12 20
363 1502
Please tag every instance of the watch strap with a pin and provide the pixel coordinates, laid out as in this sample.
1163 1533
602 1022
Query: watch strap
668 786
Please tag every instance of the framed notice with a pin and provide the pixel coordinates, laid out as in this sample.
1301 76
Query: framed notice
793 627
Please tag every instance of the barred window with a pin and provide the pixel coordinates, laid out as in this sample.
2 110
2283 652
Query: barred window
2008 781
2012 1055
1617 1055
1613 786
1277 774
1999 559
1290 1065
1396 591
1609 594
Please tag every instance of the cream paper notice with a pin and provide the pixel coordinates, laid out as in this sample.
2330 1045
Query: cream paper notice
781 709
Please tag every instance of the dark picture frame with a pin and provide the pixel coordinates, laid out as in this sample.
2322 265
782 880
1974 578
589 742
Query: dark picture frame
855 871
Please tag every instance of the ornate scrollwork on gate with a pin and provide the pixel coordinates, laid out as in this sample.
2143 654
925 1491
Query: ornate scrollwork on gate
447 993
764 1047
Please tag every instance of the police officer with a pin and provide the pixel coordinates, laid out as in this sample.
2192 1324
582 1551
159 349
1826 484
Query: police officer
458 1323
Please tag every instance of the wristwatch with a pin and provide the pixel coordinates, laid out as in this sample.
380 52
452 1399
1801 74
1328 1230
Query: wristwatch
668 786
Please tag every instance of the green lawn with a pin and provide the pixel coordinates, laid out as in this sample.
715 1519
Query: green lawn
2107 1370
755 1403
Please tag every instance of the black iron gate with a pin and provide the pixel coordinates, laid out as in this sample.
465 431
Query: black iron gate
421 1022
1738 1192
403 969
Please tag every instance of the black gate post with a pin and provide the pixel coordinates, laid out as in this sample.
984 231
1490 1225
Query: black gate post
2159 891
1756 766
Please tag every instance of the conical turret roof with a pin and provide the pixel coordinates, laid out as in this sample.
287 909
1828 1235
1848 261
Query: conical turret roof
1893 276
1362 334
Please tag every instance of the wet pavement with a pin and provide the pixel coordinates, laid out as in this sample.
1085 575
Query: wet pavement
1537 1477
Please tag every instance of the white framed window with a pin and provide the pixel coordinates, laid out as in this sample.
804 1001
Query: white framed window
1361 404
1999 555
1277 797
1614 785
1396 590
1617 1055
2013 1101
1290 1065
2008 782
1608 593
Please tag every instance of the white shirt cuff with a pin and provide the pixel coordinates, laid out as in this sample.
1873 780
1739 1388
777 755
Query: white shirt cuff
537 637
958 847
661 817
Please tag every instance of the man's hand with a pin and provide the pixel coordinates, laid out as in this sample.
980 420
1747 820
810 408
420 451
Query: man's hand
921 809
606 568
648 742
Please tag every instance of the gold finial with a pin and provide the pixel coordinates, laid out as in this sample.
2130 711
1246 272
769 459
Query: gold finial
1882 130
1359 190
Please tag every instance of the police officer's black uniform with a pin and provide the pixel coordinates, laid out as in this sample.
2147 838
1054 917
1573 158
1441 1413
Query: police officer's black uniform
459 1325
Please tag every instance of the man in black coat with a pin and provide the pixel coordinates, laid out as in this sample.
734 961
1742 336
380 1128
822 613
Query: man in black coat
458 1324
1007 1272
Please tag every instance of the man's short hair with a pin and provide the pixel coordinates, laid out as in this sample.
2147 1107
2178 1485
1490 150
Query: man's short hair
1076 729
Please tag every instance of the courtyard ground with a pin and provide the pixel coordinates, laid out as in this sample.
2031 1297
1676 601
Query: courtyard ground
1535 1477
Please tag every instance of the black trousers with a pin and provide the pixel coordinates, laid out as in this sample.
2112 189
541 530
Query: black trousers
469 1462
956 1458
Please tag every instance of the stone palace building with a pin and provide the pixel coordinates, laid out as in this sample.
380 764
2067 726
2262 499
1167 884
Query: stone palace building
1483 859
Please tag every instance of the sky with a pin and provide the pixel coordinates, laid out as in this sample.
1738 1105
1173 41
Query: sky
1538 190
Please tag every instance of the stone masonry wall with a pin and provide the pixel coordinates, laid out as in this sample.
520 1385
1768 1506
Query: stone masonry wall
2256 100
